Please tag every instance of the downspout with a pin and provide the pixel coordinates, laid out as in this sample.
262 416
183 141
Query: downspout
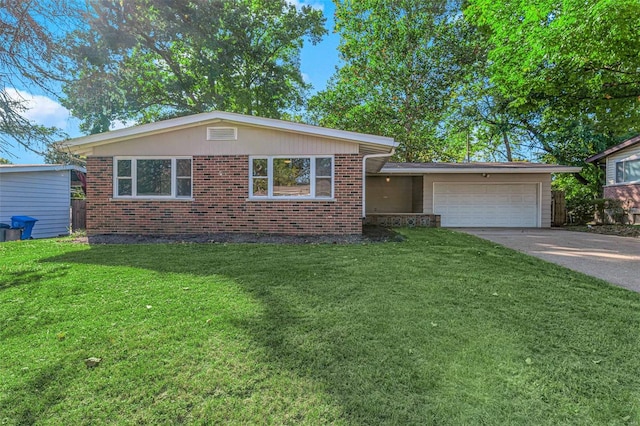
364 177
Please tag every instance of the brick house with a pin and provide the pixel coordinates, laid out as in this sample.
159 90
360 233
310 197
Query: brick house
622 174
222 172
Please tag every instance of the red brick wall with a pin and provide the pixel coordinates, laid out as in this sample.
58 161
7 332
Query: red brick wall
624 192
220 203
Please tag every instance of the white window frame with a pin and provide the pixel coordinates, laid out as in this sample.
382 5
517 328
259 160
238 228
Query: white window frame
312 177
624 180
134 178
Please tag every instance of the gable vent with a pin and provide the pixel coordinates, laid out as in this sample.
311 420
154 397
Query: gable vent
222 133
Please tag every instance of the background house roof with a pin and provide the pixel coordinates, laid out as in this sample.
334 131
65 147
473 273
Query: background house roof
512 167
81 144
14 168
613 149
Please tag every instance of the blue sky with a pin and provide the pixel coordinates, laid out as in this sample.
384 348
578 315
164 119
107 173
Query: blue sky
318 64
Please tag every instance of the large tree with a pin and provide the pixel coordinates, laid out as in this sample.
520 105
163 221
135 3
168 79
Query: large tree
567 74
146 60
29 57
401 61
570 63
555 80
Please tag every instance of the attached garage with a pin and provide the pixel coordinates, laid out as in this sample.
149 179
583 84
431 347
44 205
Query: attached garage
487 205
508 195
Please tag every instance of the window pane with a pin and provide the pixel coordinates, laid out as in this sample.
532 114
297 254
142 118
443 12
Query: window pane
291 177
260 167
124 168
124 187
620 171
323 167
260 187
154 177
183 168
632 171
183 187
323 187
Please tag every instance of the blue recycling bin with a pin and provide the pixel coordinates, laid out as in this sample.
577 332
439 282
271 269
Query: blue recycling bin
24 222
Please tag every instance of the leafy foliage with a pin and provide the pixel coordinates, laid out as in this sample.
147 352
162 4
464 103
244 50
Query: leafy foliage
545 80
571 69
149 60
611 211
401 59
57 153
573 56
29 55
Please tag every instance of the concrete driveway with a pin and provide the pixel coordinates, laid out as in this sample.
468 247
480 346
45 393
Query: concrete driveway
611 258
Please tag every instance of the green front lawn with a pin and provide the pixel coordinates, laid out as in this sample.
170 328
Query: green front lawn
443 328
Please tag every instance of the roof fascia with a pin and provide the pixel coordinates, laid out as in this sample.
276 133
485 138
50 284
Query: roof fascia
179 123
41 168
450 170
607 152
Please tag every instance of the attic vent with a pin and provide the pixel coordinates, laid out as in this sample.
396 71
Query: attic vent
222 133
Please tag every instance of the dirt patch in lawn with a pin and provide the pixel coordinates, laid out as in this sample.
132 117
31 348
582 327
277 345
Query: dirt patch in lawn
370 234
632 231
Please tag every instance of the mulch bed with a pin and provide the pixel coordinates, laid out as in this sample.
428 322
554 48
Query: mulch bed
370 234
632 231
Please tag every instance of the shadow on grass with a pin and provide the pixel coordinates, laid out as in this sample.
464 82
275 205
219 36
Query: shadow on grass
321 318
44 390
18 278
413 333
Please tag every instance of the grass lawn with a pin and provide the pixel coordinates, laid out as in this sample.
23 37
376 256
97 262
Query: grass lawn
443 328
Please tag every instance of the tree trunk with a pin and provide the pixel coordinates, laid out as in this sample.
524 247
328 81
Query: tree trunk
507 146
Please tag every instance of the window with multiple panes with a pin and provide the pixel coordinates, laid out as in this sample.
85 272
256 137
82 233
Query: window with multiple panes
291 177
628 171
152 177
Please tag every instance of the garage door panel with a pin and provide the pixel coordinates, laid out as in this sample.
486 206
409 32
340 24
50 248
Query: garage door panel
491 205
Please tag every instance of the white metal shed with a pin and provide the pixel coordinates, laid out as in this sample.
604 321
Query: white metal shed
42 191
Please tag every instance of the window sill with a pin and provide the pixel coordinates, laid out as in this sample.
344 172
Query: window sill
149 199
289 199
635 182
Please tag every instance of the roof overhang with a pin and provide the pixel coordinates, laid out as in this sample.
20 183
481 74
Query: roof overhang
466 168
15 168
84 144
602 155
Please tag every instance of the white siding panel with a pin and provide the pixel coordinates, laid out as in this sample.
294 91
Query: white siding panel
630 153
43 195
251 141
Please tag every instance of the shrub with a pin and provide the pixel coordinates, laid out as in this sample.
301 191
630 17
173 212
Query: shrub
581 208
611 211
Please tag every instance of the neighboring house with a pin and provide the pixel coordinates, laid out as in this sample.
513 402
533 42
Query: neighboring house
223 172
622 174
39 191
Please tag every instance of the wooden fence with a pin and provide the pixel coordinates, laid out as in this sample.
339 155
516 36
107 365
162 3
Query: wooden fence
78 215
558 209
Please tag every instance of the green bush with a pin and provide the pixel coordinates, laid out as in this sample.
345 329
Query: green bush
610 211
581 207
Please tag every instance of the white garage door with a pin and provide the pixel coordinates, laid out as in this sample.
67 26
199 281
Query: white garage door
486 205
